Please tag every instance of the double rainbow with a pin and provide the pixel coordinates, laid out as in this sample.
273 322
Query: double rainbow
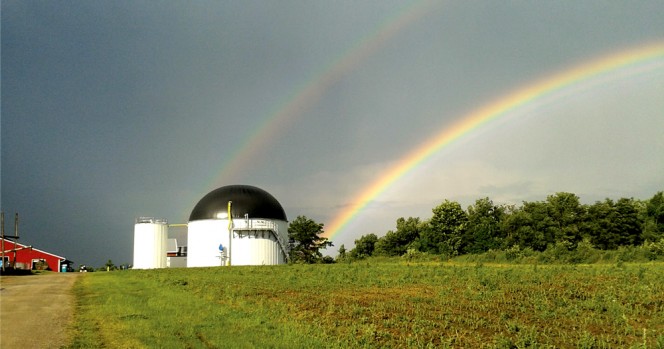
651 55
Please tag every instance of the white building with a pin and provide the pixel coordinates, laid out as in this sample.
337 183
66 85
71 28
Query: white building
231 225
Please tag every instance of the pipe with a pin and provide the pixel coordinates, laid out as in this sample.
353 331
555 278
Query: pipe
230 233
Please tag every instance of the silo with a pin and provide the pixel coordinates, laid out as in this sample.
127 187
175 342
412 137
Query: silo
248 222
150 243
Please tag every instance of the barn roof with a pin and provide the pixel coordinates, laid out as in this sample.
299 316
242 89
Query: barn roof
34 249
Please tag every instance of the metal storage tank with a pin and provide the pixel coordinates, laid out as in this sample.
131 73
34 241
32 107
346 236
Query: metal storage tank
237 225
150 243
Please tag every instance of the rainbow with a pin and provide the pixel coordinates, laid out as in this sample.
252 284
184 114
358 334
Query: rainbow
480 117
309 93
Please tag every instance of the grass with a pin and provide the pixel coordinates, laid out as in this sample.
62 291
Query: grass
374 303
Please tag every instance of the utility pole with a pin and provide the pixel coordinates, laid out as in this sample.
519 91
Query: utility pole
12 238
2 218
15 235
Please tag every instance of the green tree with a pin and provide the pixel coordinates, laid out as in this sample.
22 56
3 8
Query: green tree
600 227
446 229
395 243
364 246
613 224
653 229
483 231
342 252
529 226
306 240
628 223
567 215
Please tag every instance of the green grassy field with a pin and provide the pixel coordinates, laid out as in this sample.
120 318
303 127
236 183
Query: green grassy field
374 303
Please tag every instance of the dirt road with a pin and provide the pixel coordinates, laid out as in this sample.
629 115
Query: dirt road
35 310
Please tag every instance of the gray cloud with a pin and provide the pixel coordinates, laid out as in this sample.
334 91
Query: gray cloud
113 110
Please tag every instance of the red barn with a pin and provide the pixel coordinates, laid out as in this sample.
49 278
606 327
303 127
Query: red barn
21 256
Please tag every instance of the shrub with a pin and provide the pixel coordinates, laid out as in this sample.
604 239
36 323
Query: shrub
415 255
585 252
654 250
513 253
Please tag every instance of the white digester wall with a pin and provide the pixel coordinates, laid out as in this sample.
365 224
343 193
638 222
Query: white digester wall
259 242
150 244
254 242
203 240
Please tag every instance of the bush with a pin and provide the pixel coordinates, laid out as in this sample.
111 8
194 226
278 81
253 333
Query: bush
415 255
654 250
557 253
560 253
513 253
585 252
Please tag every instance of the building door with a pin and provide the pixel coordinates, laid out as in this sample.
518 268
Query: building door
38 264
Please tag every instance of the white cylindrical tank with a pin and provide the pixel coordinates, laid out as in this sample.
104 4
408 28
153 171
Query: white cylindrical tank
150 243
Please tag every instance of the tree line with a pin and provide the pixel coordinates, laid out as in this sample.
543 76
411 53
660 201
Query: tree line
560 220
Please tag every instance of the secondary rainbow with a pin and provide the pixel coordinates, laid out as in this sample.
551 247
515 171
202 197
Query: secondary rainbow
244 154
310 92
501 107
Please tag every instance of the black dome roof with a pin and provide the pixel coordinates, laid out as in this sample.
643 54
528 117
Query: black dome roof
247 199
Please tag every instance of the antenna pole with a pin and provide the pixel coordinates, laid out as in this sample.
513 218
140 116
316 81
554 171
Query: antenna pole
16 226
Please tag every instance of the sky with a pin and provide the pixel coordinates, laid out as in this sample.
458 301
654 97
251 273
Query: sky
116 110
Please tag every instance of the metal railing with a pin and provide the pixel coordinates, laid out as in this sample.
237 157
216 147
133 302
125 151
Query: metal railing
264 225
151 220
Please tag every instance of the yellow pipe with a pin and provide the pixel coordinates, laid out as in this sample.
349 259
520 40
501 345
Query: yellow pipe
230 233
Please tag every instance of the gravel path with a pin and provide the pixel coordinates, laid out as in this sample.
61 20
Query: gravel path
35 310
